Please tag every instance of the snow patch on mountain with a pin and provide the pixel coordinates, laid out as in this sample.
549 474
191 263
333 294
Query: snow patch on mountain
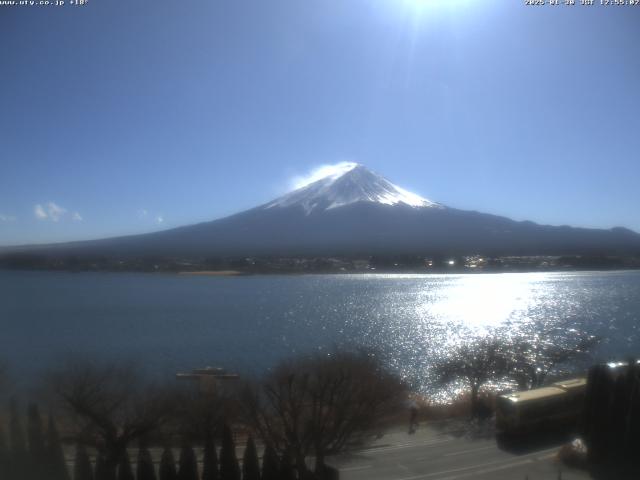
349 183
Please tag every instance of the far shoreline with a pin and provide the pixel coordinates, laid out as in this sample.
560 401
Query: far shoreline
213 273
271 273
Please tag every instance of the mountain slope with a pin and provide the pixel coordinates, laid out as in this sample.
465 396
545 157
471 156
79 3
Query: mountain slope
357 212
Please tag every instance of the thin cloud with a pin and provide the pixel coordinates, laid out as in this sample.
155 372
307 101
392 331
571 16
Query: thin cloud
40 212
56 212
150 216
7 218
76 217
321 172
53 212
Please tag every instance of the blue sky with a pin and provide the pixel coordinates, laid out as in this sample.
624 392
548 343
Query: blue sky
131 116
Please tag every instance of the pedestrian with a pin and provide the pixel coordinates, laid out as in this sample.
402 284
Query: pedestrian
413 417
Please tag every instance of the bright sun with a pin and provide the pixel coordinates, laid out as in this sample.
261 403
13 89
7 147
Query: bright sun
421 5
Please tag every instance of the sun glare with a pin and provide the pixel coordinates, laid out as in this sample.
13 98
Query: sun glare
420 3
420 7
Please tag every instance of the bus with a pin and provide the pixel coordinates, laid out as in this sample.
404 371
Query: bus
556 407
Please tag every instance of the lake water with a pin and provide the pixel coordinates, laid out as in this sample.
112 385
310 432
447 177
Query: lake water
173 322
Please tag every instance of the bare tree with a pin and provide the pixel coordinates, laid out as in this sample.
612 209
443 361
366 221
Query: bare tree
322 405
475 364
533 360
201 414
111 405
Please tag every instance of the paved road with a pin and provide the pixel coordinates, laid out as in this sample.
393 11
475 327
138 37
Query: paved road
433 454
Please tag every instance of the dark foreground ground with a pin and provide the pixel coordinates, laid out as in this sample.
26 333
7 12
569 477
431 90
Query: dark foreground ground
451 452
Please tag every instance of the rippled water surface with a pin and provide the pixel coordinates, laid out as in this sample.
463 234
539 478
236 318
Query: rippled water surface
247 323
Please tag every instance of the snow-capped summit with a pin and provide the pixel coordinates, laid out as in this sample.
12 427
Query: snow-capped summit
348 183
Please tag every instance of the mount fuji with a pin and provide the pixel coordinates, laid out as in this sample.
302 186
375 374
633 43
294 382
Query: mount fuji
354 211
349 183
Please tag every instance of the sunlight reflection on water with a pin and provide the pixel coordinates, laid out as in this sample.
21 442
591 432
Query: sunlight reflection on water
427 316
249 323
478 302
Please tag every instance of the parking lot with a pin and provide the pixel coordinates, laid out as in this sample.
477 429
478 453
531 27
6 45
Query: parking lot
437 453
